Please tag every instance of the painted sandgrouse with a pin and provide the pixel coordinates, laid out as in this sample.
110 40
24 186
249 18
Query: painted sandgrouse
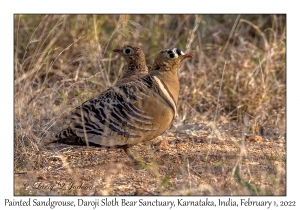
135 66
131 112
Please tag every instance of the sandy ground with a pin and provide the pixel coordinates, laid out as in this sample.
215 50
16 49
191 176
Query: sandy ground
182 163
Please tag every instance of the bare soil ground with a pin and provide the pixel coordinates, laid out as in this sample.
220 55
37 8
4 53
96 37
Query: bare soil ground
186 163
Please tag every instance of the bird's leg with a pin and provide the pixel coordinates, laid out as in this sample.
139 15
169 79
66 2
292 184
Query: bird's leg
131 155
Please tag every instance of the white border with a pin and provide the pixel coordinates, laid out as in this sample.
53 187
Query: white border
138 7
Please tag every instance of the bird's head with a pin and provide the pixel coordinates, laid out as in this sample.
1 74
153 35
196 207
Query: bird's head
169 59
131 53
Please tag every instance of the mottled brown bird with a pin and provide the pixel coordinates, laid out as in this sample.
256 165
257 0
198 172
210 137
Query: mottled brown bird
135 66
130 112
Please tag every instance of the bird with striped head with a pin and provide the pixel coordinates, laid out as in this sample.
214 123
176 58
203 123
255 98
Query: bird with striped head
130 112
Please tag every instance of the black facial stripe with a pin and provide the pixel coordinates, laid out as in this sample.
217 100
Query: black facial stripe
178 51
163 51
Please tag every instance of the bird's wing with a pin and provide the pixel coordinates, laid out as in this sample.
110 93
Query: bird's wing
113 116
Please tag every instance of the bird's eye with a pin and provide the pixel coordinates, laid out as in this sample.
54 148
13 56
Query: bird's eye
172 55
127 51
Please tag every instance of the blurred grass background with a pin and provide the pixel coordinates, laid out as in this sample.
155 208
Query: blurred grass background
236 80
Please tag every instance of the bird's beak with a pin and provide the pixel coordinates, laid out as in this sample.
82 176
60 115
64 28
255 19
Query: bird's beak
187 56
117 50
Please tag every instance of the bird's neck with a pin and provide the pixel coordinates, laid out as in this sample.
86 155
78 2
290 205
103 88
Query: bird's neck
135 68
170 79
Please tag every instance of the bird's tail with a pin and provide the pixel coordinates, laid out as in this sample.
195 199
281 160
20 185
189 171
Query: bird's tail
66 136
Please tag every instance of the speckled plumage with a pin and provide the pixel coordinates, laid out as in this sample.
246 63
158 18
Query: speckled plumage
135 66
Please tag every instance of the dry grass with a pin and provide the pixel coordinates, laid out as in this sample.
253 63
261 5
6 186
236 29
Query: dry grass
228 138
